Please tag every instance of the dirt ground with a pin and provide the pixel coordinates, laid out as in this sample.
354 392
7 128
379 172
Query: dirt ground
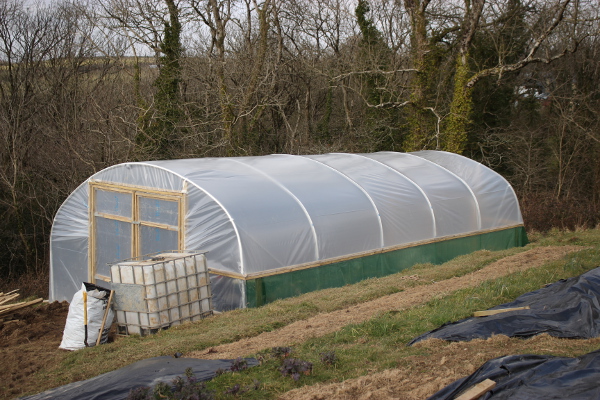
31 342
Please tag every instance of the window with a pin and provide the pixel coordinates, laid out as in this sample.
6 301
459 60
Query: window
129 222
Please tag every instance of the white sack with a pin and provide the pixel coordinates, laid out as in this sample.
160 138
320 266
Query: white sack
74 333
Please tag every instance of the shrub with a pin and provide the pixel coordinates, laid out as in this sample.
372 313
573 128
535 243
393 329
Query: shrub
295 367
188 388
239 364
328 357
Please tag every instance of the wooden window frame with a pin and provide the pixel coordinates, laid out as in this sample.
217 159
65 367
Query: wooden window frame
136 192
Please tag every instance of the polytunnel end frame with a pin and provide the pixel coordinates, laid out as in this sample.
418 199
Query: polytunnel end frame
184 208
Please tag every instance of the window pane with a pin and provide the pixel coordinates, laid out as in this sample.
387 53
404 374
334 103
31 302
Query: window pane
154 240
114 203
159 211
113 243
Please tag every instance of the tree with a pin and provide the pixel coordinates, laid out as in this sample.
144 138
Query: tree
425 56
457 124
158 136
157 25
375 58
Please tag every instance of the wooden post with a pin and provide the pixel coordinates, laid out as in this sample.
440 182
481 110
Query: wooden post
105 316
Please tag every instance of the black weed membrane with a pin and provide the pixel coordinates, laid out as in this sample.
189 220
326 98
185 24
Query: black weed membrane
142 374
569 308
531 377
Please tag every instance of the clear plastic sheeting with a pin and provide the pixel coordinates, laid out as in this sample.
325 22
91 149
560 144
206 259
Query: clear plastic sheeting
155 240
159 211
454 206
114 203
270 225
141 174
256 214
403 209
208 228
114 238
344 218
69 246
496 198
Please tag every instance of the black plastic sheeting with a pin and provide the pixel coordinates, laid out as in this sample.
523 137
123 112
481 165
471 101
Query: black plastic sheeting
569 308
149 372
534 377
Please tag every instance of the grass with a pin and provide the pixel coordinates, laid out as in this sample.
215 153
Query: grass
374 345
379 343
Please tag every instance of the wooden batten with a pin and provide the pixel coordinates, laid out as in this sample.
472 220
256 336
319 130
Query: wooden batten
103 277
227 274
478 390
128 188
92 234
487 313
182 212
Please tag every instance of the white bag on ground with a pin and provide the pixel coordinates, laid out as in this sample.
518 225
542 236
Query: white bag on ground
74 333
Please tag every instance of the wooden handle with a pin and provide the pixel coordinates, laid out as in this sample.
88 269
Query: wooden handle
85 321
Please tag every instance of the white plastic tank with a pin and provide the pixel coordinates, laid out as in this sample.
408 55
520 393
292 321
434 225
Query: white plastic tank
163 290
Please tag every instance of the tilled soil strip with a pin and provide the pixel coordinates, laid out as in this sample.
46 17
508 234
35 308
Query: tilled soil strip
324 324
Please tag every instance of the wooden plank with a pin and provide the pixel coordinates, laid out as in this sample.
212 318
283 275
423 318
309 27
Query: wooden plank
6 299
478 390
24 304
226 273
18 306
91 234
106 311
113 217
124 187
7 306
102 277
159 226
499 311
181 209
136 229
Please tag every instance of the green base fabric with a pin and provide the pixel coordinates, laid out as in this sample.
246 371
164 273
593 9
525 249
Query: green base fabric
264 290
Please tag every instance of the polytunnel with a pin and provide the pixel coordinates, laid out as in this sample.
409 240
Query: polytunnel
280 225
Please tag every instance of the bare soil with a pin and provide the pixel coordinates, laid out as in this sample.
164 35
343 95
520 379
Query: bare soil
29 343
